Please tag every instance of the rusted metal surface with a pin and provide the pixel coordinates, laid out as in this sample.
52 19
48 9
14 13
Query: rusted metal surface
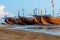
36 20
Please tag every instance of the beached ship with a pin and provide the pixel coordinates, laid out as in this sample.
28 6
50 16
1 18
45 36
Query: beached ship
10 20
37 19
21 20
46 19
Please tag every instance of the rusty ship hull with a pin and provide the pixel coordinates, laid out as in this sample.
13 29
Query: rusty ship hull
20 21
45 20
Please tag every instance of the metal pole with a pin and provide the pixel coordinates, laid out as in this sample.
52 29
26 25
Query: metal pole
23 12
36 11
18 13
52 6
45 11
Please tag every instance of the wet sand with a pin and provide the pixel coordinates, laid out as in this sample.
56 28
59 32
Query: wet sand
23 35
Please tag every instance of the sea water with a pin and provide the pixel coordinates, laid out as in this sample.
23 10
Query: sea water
33 28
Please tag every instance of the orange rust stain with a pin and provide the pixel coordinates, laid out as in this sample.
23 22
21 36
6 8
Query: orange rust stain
55 20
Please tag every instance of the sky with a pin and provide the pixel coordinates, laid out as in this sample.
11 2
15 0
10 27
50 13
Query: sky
11 7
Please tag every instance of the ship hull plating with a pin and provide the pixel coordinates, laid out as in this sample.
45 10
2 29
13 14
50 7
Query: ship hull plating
42 20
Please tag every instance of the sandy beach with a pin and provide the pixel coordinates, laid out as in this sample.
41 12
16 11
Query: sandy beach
23 35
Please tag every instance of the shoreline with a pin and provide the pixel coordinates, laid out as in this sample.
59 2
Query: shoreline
23 35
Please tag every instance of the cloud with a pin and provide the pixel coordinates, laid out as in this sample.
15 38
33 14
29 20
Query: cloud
2 7
3 13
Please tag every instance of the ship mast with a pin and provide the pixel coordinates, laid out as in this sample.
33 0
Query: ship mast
45 11
34 12
41 12
58 13
52 2
23 12
18 13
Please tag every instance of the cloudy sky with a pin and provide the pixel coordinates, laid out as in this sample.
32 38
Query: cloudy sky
11 7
